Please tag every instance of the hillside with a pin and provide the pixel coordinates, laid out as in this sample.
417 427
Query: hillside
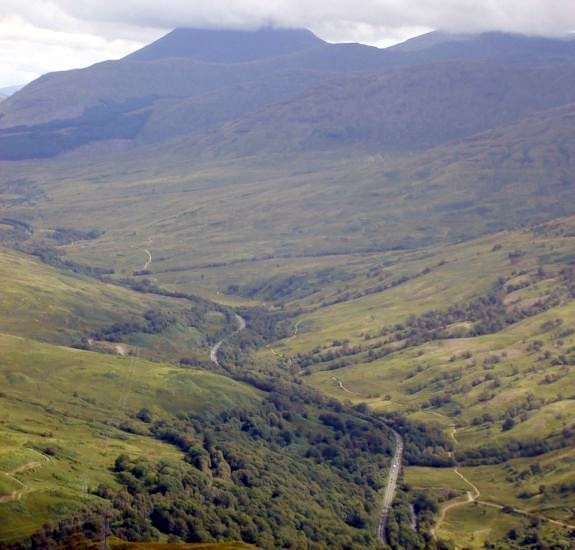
396 112
322 95
71 419
254 214
477 339
65 308
93 435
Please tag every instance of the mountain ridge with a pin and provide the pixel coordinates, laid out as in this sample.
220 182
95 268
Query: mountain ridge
67 95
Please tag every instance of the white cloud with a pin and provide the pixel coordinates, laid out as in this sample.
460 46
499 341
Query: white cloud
37 36
538 16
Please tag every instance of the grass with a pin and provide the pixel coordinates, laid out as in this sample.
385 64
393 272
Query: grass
406 381
387 383
474 525
243 221
434 478
72 402
52 305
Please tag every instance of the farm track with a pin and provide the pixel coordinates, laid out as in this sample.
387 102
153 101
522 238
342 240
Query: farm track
474 496
148 261
15 496
216 348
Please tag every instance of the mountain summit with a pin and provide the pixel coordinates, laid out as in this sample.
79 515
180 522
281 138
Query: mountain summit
228 46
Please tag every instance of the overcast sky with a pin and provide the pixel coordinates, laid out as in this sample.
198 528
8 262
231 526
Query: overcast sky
38 36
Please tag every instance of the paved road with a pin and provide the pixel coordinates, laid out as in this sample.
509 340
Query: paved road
216 348
391 486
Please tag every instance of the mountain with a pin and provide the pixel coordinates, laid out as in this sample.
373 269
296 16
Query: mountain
440 45
219 46
9 90
396 112
184 83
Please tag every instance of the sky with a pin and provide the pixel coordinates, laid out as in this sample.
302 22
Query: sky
39 36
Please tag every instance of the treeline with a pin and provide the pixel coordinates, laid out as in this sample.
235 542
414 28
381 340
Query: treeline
157 321
512 448
486 314
67 235
529 534
54 258
81 531
410 521
297 470
291 286
152 322
262 327
349 294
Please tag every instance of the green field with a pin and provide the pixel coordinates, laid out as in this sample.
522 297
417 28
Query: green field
62 414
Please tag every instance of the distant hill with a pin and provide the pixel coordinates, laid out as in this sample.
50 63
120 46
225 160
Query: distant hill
399 111
440 45
194 81
9 90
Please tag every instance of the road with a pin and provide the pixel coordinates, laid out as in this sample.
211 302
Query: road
341 386
394 469
149 260
216 348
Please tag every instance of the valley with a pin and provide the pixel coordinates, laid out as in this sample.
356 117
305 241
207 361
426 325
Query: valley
321 298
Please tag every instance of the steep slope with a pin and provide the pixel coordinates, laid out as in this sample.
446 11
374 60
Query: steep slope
88 436
68 415
173 118
56 306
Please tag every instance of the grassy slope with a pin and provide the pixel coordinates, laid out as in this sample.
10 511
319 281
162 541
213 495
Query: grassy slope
458 274
67 414
73 401
56 306
151 546
474 525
